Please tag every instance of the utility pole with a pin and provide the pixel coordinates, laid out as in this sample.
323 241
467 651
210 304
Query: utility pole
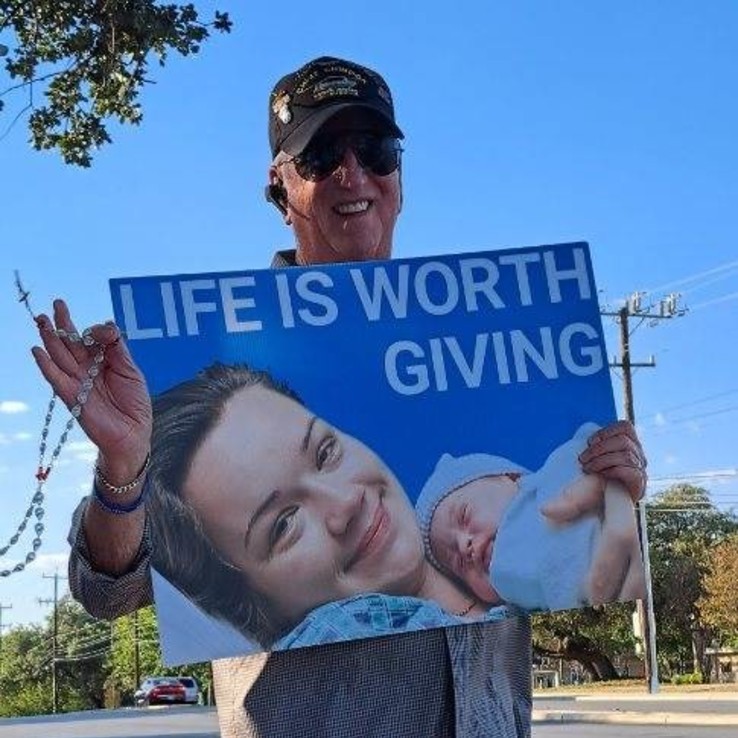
55 639
136 653
668 308
3 625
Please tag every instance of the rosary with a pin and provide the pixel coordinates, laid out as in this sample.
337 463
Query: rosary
35 508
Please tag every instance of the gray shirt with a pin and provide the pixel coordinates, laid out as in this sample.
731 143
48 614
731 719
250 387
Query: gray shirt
470 681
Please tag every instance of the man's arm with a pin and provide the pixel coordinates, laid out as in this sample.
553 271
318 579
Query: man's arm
112 591
95 376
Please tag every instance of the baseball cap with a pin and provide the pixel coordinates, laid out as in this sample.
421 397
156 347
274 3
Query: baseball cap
302 101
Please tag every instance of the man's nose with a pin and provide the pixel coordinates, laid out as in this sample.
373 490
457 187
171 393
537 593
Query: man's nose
349 171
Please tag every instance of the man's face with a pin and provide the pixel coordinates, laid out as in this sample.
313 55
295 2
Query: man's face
350 214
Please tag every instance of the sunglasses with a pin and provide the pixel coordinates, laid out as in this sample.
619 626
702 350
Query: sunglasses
322 156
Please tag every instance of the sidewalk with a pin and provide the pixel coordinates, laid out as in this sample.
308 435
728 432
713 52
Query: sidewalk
700 705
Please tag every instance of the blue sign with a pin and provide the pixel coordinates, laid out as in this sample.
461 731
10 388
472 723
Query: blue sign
427 362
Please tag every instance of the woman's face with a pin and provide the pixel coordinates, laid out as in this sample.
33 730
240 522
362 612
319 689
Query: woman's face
308 513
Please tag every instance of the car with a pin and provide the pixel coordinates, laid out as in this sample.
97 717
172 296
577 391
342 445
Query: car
159 690
192 689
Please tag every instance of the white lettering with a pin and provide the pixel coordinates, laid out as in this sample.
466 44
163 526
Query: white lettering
382 289
231 304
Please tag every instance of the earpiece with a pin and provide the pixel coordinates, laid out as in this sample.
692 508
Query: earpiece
276 194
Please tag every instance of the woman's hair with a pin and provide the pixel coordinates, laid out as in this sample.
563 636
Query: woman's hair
182 551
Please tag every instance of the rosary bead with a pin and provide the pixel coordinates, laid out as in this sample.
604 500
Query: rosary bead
44 469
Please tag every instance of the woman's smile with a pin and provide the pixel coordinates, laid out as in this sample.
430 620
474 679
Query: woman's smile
377 534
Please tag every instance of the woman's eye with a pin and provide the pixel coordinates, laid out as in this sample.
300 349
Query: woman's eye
327 453
282 525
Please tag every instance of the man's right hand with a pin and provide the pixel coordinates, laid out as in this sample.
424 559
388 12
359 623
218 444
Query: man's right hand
116 416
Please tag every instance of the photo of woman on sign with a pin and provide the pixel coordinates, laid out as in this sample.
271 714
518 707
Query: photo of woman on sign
264 515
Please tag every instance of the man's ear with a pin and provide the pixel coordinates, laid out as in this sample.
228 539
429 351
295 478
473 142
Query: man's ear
399 183
276 194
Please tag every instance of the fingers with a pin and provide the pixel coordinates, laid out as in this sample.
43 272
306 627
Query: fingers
57 350
63 321
634 586
65 362
584 495
63 385
617 557
616 453
609 568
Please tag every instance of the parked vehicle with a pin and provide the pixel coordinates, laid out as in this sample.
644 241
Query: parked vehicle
159 690
192 689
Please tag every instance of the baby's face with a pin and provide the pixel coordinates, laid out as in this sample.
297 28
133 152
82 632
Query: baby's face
463 530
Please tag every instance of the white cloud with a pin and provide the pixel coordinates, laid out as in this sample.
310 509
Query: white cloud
13 407
44 563
670 459
83 451
660 420
6 439
50 563
82 446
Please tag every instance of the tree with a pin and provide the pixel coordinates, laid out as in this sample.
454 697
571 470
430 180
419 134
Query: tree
719 604
683 527
140 635
83 657
90 59
25 677
593 636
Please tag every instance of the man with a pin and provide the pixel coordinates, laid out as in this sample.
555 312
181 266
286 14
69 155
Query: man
335 178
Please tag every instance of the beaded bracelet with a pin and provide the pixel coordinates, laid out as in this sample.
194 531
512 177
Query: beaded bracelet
116 508
125 487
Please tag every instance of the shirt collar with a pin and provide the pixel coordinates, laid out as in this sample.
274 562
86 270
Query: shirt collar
286 258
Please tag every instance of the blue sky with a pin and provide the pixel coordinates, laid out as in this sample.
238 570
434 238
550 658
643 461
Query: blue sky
526 123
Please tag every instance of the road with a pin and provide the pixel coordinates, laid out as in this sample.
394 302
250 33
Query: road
713 706
183 722
585 730
199 722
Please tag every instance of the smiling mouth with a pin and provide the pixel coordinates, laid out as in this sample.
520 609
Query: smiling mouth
352 208
374 536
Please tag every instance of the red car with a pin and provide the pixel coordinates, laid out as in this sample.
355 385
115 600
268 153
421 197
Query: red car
159 690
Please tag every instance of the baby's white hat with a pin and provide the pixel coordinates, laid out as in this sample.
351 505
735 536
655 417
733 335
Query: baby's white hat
450 474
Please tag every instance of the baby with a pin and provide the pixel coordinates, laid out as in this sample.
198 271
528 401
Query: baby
481 520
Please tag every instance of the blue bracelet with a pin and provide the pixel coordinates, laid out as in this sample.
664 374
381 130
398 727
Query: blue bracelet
118 509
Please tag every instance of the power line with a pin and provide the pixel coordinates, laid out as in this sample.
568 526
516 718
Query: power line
698 401
715 301
726 267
